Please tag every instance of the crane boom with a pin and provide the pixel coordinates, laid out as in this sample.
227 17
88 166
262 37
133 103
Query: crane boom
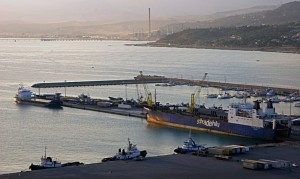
139 96
196 94
147 92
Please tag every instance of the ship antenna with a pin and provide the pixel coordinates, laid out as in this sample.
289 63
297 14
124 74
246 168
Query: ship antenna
245 95
45 150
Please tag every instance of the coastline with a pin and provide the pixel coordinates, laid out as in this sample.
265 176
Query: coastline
292 50
182 166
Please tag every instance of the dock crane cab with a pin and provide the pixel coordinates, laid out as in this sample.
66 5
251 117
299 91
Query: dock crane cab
148 94
196 94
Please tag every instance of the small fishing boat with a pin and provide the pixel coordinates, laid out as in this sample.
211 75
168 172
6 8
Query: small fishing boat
297 104
241 95
224 96
212 95
275 99
131 152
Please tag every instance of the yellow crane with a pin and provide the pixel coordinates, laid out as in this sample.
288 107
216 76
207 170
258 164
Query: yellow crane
147 92
139 95
197 94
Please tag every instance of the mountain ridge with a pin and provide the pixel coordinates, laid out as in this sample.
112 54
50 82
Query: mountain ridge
138 30
19 27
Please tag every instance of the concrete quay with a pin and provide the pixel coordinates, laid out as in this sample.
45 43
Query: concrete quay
181 166
71 39
279 90
134 112
161 79
98 83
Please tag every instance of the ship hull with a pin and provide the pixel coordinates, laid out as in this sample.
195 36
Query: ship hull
41 103
208 124
39 167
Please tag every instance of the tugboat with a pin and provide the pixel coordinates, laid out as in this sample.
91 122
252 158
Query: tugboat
46 162
189 146
131 153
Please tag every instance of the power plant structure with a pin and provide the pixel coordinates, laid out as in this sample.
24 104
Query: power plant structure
149 35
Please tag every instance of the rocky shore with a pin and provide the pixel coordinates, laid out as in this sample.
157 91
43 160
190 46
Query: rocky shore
182 166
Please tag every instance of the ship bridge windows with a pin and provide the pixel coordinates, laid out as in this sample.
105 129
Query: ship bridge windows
244 114
213 113
223 117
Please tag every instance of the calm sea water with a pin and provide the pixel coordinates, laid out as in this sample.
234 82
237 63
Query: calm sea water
87 136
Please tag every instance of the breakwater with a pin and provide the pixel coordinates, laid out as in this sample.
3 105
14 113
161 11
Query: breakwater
161 79
279 90
97 83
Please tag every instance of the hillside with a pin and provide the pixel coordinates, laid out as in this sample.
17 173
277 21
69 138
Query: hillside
284 38
283 14
161 27
137 30
271 30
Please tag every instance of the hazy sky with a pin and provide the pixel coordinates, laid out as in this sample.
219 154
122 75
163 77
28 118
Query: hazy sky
91 10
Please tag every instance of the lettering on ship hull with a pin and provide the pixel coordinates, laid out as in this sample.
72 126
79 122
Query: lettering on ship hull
208 123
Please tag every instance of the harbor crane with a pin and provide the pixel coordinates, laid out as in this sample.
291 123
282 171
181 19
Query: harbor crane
139 95
147 92
196 94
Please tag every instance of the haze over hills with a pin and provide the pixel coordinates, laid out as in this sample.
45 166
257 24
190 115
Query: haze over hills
108 11
76 28
285 13
138 29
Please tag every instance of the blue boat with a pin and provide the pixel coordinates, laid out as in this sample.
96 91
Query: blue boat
241 119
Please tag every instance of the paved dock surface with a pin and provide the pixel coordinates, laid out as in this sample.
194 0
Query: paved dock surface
279 90
180 166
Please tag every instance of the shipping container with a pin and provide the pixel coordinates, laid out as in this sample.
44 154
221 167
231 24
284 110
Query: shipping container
124 106
274 163
263 165
104 104
250 164
223 157
284 163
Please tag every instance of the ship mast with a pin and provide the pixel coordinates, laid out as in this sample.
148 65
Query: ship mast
147 92
45 151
